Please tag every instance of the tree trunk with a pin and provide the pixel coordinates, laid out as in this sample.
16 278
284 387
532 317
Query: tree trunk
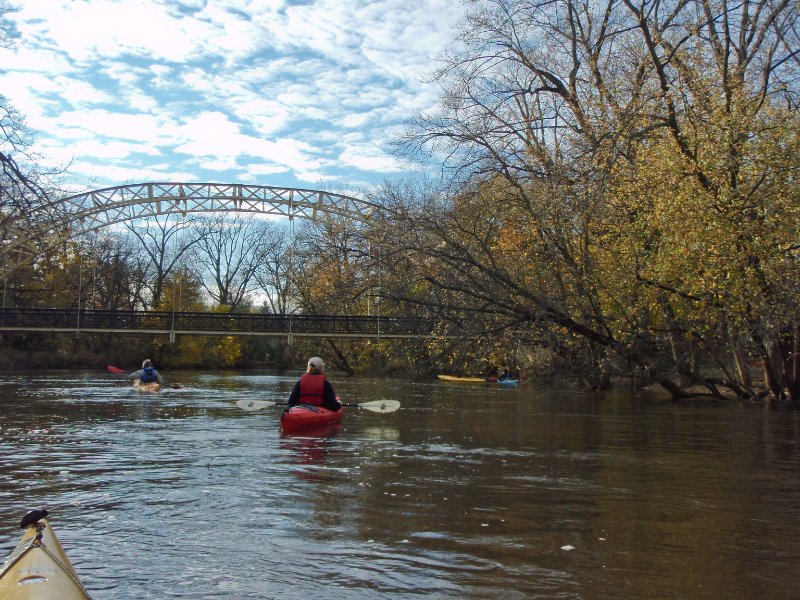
743 369
673 388
773 370
676 341
341 360
792 366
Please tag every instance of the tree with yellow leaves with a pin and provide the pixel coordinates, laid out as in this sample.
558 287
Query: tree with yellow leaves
625 179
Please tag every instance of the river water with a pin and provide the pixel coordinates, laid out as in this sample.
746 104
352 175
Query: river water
468 491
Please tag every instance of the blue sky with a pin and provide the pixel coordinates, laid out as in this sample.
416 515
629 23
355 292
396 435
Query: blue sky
294 94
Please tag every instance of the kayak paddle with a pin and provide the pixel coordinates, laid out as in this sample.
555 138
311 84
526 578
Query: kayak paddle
381 406
254 404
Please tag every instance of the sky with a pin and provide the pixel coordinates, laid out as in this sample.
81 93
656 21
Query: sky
268 92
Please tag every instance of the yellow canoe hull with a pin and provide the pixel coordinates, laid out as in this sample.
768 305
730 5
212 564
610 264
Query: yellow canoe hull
153 386
461 379
40 571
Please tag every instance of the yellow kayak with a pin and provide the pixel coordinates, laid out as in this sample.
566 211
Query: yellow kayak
38 568
461 379
153 386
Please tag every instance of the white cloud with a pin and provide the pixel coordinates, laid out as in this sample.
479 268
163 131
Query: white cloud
34 60
215 135
29 92
84 30
235 37
141 102
367 158
111 175
219 165
265 116
264 169
140 127
353 121
97 150
79 92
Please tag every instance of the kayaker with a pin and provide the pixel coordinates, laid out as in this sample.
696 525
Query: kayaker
314 388
147 374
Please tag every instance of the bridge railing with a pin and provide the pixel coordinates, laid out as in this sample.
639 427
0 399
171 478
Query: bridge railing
47 319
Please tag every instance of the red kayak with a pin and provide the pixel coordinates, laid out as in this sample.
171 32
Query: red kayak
304 416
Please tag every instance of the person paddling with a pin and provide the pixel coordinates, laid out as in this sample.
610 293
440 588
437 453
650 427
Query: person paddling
147 374
314 388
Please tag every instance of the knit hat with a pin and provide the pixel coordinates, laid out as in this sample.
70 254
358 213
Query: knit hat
315 362
146 363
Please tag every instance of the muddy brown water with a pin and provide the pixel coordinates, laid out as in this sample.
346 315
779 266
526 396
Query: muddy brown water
468 491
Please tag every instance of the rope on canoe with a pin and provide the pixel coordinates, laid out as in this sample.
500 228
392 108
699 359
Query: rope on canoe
18 553
66 570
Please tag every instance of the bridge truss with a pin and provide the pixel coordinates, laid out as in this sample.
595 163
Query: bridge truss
27 236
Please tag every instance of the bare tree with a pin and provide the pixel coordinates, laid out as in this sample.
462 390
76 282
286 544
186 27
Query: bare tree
165 243
26 186
116 283
274 274
228 255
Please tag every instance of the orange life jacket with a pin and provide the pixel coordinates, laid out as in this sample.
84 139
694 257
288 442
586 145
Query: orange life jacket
312 388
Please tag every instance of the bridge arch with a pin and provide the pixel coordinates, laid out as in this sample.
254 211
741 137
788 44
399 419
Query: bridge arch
78 214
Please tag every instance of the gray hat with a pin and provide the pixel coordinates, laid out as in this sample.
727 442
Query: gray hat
315 362
146 363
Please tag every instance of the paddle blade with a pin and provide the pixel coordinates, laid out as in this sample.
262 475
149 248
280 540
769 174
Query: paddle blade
113 369
254 404
381 406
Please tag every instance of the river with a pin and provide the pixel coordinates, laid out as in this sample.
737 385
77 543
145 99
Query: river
468 491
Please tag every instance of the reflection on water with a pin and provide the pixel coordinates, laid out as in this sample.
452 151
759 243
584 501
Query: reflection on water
467 491
381 432
310 446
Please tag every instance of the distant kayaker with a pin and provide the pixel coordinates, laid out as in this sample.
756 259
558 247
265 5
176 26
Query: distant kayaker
147 374
314 388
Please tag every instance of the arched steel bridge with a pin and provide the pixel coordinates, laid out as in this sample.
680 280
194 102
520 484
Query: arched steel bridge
45 227
26 236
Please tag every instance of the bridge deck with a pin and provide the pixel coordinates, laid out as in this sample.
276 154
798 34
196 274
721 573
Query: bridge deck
200 323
